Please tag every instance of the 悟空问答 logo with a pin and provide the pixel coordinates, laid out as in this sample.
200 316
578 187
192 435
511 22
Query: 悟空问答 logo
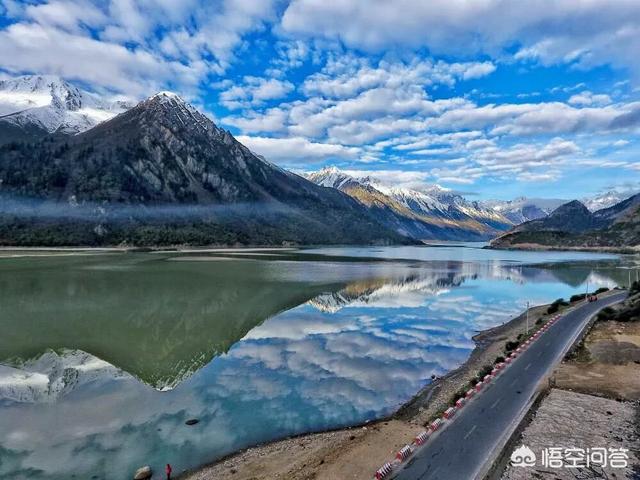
523 457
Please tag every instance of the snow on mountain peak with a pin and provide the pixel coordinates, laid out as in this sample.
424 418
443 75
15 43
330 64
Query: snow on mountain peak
605 200
52 104
167 95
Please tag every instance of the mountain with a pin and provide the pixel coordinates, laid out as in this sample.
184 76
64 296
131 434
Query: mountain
572 225
52 375
163 173
603 200
524 209
37 105
434 214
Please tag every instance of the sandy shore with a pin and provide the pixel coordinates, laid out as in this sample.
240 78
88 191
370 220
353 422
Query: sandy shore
356 452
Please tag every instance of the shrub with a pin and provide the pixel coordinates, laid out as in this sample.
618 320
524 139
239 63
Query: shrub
635 287
553 308
601 290
577 297
486 370
509 346
499 359
606 314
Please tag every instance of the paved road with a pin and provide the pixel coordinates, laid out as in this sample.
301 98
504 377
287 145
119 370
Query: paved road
461 450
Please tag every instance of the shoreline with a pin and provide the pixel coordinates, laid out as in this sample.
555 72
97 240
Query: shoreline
358 450
536 247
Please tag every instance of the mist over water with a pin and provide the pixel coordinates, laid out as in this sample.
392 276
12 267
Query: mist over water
118 212
110 355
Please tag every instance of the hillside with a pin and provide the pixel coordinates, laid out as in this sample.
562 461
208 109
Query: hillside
572 225
163 173
436 214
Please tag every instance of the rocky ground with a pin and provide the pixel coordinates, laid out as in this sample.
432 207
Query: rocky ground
575 420
357 452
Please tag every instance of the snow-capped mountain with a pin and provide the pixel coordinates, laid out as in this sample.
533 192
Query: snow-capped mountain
524 209
435 213
34 105
605 200
53 375
446 203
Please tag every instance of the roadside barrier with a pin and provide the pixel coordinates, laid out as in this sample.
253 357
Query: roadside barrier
436 424
404 453
421 438
449 413
383 471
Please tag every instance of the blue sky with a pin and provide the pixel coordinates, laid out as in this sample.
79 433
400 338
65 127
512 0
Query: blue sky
495 99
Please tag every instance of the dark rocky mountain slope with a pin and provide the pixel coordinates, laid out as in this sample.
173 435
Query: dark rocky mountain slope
163 173
572 225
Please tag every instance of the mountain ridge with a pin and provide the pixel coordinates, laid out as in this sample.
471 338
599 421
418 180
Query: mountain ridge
434 214
573 225
164 152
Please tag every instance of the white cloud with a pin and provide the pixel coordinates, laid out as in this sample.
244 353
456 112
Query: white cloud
346 76
297 150
28 47
133 47
254 91
588 98
551 31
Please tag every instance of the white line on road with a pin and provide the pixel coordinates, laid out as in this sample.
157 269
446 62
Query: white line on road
527 367
547 344
540 353
495 403
514 381
470 432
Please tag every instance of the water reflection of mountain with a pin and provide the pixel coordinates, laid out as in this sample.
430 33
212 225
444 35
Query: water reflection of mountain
430 282
161 321
158 320
53 375
374 292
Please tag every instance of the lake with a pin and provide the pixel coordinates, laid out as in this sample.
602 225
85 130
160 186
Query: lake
104 357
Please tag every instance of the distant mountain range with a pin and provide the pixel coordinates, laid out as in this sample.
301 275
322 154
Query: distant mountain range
162 173
77 168
524 209
435 213
604 200
573 225
37 105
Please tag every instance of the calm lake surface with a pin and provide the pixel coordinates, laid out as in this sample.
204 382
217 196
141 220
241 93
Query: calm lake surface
103 357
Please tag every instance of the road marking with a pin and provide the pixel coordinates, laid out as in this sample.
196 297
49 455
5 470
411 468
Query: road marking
495 403
514 381
547 344
540 353
527 367
470 432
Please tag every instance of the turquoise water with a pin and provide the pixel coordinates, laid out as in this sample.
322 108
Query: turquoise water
256 347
